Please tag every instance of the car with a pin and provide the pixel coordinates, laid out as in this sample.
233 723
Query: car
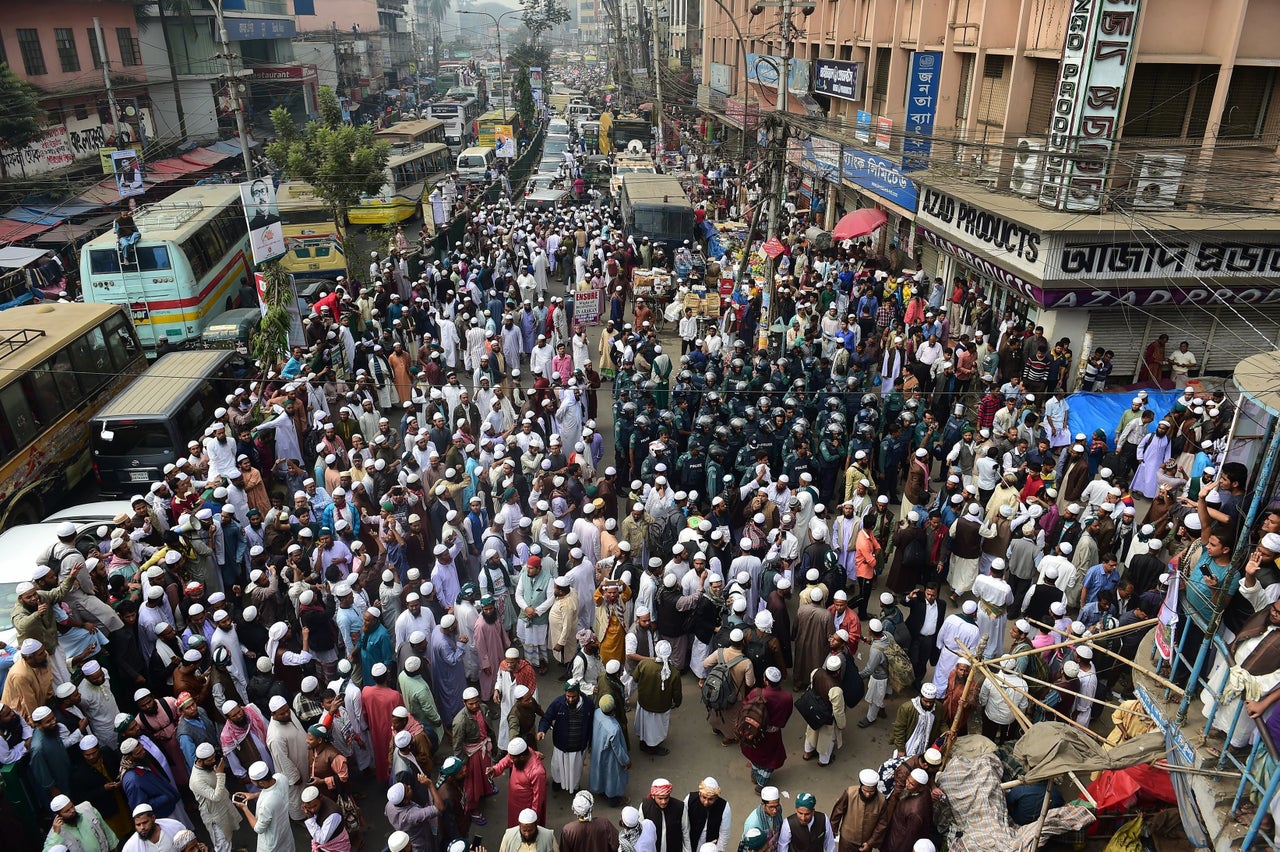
23 547
546 199
557 127
99 512
555 145
539 183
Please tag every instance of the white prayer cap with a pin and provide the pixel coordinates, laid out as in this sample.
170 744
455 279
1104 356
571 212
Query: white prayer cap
832 664
204 751
402 739
277 702
970 607
517 746
396 792
258 771
311 793
469 693
528 816
920 776
816 595
229 705
378 669
1058 608
869 778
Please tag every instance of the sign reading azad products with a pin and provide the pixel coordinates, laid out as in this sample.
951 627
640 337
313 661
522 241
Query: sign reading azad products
1003 237
835 78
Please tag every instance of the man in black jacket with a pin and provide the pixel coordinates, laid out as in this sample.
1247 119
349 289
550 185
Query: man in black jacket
925 613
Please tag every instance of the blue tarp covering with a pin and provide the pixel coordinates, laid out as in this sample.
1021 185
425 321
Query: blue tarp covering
1090 411
33 216
708 233
68 209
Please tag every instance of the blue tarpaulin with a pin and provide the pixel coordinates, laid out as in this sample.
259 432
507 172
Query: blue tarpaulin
708 233
1090 411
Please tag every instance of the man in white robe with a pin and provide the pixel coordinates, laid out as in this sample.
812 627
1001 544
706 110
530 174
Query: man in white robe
269 817
994 596
958 628
287 743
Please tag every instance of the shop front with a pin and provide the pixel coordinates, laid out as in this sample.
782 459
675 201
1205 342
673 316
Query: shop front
1117 281
290 86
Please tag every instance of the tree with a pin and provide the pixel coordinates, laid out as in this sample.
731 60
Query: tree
530 55
524 95
339 161
21 117
270 343
541 16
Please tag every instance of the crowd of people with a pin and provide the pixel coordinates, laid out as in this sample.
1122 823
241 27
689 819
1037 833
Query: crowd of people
358 573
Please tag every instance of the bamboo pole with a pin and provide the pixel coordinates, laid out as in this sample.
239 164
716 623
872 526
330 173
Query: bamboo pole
1066 691
1165 682
964 696
1105 634
1025 721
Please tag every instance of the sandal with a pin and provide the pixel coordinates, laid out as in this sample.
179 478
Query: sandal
810 755
479 819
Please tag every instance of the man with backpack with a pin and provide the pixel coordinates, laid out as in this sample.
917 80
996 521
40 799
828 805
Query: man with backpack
658 692
825 716
729 677
763 717
876 672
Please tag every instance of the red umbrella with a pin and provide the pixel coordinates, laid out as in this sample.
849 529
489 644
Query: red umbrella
859 223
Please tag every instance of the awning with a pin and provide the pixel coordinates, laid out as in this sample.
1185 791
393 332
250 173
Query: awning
16 257
70 232
205 156
33 216
12 231
230 147
171 169
44 211
105 194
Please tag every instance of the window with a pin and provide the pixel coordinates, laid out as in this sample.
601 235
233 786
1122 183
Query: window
65 378
66 40
1169 100
153 258
4 54
93 49
92 362
104 262
1248 97
42 395
1042 91
121 341
32 53
966 88
17 414
880 85
128 47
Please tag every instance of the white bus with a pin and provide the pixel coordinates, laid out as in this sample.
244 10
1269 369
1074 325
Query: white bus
192 263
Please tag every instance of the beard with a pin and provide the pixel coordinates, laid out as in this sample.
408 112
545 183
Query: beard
73 819
490 617
866 797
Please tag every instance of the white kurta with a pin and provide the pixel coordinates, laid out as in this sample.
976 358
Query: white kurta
954 630
271 808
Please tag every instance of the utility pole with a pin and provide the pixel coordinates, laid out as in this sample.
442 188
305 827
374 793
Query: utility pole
233 87
106 79
657 77
777 182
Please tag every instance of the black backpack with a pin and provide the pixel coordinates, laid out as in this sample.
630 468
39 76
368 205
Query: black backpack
719 692
756 649
664 531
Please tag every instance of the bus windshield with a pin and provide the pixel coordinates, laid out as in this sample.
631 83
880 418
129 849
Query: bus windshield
150 259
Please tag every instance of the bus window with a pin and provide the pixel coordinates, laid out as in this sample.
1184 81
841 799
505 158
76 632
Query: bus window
302 253
42 394
60 365
120 340
195 251
104 262
90 358
14 406
152 258
321 251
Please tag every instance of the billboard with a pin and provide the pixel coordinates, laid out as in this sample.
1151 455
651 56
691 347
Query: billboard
721 74
922 100
127 167
262 216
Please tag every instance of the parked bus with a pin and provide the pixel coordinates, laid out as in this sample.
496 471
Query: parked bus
409 179
192 264
418 131
655 206
139 430
59 364
487 123
313 238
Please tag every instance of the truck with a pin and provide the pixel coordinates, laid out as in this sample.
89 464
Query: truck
655 207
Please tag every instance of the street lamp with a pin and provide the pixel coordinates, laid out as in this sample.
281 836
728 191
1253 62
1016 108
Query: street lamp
498 29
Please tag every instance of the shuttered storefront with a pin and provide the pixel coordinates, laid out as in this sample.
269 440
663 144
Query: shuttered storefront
1219 336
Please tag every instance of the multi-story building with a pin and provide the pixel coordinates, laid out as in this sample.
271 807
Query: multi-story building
686 32
56 48
190 87
344 42
1104 168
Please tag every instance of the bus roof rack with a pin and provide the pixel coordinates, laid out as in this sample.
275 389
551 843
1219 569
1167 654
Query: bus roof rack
168 214
11 340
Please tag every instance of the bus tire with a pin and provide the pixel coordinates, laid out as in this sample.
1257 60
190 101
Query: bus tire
26 512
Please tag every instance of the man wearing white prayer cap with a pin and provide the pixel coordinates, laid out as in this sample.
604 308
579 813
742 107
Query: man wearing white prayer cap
526 833
152 832
269 816
209 786
79 826
856 812
30 681
958 628
287 742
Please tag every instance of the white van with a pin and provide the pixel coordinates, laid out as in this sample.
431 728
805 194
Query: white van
579 112
474 164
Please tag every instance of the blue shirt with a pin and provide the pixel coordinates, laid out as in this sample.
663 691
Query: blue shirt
1096 579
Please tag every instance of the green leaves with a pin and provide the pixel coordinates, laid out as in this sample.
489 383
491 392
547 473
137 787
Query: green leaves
340 161
270 344
21 117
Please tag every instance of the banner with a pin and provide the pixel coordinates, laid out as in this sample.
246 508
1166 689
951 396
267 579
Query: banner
884 132
127 167
262 215
837 79
504 141
588 305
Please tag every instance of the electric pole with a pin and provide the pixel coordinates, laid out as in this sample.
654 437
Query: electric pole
106 80
233 88
657 77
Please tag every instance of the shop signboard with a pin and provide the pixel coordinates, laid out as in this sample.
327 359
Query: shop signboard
721 74
836 79
879 175
862 126
1085 119
922 104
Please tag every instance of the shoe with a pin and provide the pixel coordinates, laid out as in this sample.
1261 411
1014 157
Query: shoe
866 723
810 755
882 714
660 751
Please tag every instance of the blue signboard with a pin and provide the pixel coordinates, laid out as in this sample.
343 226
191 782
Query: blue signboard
862 126
922 104
763 69
250 29
879 175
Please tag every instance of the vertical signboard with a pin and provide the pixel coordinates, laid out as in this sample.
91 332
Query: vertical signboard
922 104
884 132
862 126
1096 62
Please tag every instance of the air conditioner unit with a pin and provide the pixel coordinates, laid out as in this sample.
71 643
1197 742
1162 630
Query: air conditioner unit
1157 178
1028 168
